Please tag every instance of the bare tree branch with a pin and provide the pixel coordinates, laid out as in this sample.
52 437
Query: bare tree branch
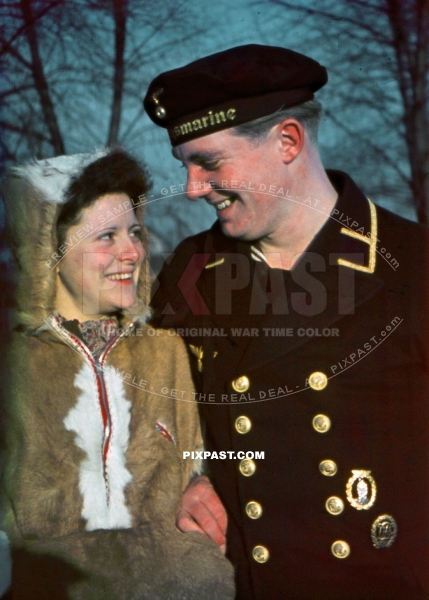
40 79
412 56
332 16
13 52
377 150
15 91
120 16
382 27
6 47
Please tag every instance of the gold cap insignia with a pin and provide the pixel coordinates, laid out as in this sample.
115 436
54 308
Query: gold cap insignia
361 489
159 110
383 531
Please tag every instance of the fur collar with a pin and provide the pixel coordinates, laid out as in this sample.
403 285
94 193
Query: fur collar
33 195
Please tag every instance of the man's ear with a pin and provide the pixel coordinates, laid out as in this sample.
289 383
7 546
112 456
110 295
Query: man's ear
291 133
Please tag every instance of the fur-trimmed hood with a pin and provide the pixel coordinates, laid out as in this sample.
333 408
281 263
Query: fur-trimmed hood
33 195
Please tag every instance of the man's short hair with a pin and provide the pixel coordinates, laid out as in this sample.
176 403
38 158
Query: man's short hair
308 114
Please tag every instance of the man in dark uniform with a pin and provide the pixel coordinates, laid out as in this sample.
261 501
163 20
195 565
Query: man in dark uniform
304 309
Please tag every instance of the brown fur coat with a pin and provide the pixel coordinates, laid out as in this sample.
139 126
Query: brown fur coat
82 526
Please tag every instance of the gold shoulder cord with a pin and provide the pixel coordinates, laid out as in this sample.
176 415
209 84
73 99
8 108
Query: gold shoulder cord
371 241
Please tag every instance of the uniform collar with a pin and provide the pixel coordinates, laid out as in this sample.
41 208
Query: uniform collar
342 242
350 231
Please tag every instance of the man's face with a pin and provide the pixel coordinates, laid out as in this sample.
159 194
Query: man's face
231 173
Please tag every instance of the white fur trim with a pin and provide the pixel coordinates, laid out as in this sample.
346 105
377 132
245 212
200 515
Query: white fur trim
117 474
199 465
52 176
103 501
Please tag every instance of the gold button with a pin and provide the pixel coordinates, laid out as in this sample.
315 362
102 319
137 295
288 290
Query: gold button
160 112
328 468
340 549
241 384
247 467
243 424
318 381
260 554
334 505
253 509
321 423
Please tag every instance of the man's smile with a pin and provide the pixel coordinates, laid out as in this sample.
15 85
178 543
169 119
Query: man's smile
222 204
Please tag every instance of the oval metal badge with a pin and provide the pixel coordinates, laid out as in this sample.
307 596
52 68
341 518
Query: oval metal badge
361 489
383 531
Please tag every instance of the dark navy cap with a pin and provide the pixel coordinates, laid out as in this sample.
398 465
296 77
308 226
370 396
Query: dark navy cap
230 88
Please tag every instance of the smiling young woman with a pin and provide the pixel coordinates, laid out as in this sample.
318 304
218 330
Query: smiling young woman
100 275
94 472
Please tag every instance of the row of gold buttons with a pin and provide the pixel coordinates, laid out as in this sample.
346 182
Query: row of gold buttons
334 505
321 423
243 425
247 468
317 381
254 510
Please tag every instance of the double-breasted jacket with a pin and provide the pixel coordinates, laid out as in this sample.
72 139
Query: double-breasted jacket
313 391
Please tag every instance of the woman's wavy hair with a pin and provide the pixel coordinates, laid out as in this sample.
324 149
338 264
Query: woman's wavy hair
116 172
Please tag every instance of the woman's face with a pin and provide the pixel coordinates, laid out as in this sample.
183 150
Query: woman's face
103 253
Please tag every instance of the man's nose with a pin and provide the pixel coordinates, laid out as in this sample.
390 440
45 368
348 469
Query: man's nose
197 186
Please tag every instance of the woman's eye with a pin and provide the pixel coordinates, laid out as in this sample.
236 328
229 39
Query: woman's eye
106 236
136 233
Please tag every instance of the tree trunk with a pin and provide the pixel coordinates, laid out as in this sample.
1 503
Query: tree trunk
40 79
120 15
411 44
